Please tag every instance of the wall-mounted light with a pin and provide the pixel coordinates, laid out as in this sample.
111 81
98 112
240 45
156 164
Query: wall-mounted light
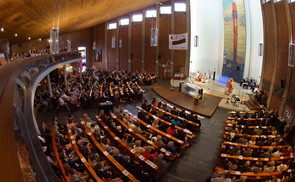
196 41
29 38
40 39
15 35
113 42
120 43
2 29
260 49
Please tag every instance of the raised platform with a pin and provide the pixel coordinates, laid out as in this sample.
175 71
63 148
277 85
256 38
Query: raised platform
205 107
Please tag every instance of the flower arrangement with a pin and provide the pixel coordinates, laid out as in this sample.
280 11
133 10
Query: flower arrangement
198 96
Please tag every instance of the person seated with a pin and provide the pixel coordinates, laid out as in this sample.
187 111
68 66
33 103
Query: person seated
175 121
171 147
161 163
158 141
245 167
147 153
171 130
137 146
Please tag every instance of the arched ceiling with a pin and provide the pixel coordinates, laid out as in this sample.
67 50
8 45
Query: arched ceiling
35 18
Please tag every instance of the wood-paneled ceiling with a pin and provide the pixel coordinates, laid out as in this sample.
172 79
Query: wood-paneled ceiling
35 18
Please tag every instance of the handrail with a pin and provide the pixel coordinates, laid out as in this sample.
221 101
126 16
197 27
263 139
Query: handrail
127 147
156 130
18 81
80 155
140 136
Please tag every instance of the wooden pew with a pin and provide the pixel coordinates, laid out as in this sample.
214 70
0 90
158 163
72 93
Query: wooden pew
167 136
257 159
256 136
107 155
255 146
246 119
80 155
65 177
140 89
180 118
228 123
188 132
253 174
186 111
127 147
163 150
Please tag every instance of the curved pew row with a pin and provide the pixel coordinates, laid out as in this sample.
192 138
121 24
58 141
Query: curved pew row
254 175
165 135
65 176
149 142
80 155
193 124
189 134
127 147
186 111
255 146
258 159
108 156
244 126
255 136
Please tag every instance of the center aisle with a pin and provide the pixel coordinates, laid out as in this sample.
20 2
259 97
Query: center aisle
197 162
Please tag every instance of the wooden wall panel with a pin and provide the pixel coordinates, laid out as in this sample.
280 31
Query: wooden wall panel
136 33
164 31
291 94
179 55
269 44
100 43
111 51
282 55
150 52
123 51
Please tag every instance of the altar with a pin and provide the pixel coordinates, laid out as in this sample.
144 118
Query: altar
190 89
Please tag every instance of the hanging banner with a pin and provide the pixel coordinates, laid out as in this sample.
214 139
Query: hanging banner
154 37
178 41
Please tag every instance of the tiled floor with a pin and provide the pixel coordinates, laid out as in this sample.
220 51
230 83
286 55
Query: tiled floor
198 161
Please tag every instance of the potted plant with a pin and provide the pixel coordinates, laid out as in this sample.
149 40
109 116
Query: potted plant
197 97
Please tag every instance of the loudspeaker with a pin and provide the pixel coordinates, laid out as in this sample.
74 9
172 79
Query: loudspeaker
282 83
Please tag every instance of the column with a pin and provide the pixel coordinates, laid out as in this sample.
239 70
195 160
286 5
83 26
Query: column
65 75
49 85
